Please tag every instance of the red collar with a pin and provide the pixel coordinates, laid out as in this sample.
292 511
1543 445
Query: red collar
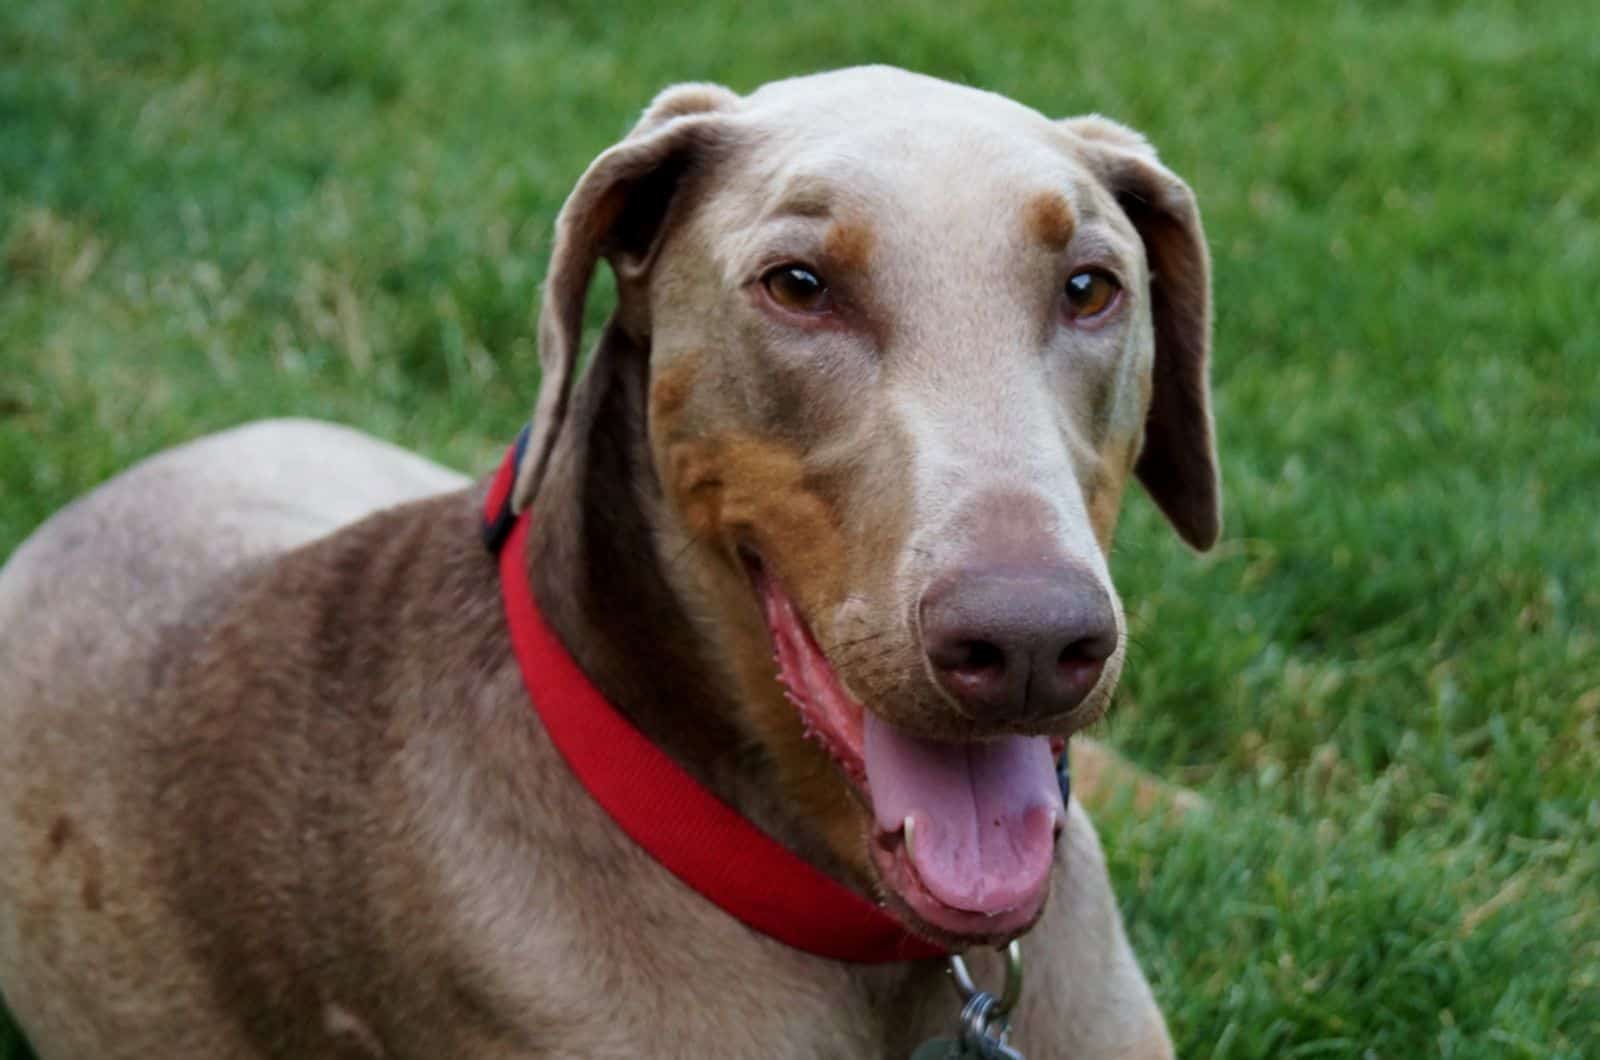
693 834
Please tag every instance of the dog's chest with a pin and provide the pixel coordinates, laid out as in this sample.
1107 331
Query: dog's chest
637 966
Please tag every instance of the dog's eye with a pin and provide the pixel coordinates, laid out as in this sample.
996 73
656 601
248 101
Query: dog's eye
797 289
1090 293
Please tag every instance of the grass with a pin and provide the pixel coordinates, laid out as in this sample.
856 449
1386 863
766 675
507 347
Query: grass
1386 679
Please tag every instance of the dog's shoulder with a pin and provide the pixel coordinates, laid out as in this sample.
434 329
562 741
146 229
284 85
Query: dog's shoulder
313 660
302 718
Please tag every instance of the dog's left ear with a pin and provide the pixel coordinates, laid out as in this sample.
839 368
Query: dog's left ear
617 211
1178 464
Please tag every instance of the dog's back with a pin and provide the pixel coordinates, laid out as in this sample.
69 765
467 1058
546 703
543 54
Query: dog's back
99 607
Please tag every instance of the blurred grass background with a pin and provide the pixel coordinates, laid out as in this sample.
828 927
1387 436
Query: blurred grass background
1386 679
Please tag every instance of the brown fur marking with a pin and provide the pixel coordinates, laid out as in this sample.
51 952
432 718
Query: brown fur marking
1048 218
745 490
671 386
735 490
1105 493
849 244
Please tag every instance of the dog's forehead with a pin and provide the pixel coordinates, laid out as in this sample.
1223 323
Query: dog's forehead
890 132
871 94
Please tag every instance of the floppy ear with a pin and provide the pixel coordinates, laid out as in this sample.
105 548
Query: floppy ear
1178 464
616 212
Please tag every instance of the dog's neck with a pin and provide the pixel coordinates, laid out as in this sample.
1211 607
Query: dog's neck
596 570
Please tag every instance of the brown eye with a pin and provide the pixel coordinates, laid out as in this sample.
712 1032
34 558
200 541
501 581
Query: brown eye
797 289
1090 293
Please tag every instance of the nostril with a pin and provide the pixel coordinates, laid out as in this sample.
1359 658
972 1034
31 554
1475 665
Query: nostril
1085 652
1078 669
978 656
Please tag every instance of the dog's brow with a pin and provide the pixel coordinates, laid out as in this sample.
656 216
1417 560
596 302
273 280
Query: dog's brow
808 200
1092 242
810 194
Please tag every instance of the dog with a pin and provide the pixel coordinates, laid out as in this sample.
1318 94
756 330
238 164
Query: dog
824 526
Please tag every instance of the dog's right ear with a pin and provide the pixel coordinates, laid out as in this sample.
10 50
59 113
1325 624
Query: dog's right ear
617 211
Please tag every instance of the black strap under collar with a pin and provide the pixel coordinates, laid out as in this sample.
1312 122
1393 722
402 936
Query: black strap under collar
498 514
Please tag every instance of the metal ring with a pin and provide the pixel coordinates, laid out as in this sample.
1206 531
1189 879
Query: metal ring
976 1016
1009 996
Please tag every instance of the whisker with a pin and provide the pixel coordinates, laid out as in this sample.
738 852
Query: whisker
869 638
864 659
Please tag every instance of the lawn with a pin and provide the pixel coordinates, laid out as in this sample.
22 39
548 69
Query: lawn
1386 680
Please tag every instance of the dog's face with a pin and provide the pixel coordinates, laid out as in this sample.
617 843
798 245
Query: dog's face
908 341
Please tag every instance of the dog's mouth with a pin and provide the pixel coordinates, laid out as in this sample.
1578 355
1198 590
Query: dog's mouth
963 834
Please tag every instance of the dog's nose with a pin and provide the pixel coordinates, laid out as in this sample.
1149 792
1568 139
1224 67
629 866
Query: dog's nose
1018 644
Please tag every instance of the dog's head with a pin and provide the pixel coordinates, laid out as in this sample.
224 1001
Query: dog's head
907 341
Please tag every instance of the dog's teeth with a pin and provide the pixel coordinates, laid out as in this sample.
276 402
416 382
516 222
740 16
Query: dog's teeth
906 827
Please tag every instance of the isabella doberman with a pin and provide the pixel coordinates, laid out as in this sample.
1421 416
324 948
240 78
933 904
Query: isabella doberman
811 568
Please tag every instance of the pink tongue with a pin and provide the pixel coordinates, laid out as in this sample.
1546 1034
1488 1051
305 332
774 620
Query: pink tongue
983 814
